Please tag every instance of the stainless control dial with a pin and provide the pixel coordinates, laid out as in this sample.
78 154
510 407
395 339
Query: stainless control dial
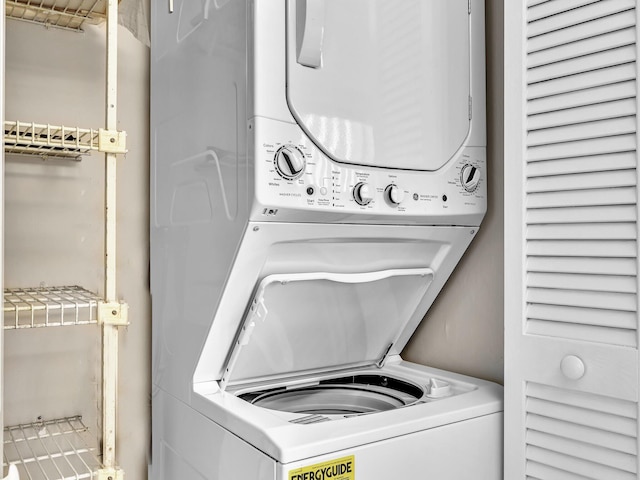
363 193
289 162
394 194
470 177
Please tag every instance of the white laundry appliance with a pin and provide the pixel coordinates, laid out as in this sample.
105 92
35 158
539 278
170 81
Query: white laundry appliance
318 170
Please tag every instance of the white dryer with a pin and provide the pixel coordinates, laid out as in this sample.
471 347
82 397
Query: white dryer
317 173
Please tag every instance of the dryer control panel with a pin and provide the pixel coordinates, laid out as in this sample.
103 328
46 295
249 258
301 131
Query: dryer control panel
293 175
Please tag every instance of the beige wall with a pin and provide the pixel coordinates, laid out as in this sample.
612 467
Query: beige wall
54 232
463 331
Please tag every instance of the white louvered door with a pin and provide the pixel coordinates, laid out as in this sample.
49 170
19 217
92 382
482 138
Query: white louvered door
571 240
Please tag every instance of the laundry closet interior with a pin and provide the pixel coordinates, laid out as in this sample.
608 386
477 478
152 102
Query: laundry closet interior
53 359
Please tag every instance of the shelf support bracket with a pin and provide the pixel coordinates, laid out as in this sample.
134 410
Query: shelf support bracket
112 141
112 313
110 474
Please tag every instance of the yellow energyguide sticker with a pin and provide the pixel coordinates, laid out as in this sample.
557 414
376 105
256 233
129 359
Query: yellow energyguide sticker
340 469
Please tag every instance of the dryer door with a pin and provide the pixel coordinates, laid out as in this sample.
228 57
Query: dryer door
383 83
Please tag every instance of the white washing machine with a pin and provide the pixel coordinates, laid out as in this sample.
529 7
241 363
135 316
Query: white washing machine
317 173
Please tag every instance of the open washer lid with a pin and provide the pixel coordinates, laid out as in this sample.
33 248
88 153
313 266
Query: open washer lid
382 83
315 322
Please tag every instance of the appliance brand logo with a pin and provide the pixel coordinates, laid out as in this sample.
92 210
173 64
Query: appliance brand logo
339 469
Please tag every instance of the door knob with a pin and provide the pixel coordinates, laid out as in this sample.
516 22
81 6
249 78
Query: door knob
572 367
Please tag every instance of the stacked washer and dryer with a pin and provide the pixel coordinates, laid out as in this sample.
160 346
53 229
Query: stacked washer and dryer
318 170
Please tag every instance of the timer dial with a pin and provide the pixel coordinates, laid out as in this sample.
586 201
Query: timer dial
394 194
289 162
363 193
470 177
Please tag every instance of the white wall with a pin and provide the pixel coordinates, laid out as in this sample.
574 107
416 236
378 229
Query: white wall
463 331
54 231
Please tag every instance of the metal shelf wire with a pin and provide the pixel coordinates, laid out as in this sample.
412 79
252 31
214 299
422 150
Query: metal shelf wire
49 307
65 14
60 449
26 138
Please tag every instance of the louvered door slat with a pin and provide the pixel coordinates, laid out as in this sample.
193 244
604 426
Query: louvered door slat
602 283
571 464
585 333
578 198
583 231
582 181
595 411
581 31
582 248
582 315
578 449
583 131
606 42
538 471
583 64
604 300
594 265
623 213
589 113
587 13
546 9
591 163
582 433
579 416
597 146
602 329
582 81
581 98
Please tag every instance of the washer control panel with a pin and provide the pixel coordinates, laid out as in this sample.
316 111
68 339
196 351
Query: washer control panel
292 173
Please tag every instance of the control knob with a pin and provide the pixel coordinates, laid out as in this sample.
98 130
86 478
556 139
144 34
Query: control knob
470 177
394 194
289 162
363 193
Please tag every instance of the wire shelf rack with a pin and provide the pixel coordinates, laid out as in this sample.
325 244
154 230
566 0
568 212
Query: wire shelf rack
61 449
27 138
65 14
49 307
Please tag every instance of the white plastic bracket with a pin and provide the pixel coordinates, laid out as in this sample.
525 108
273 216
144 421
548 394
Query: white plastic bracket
112 141
258 312
13 473
110 474
116 314
380 363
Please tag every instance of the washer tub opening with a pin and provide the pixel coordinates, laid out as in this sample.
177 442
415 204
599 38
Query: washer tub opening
349 395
